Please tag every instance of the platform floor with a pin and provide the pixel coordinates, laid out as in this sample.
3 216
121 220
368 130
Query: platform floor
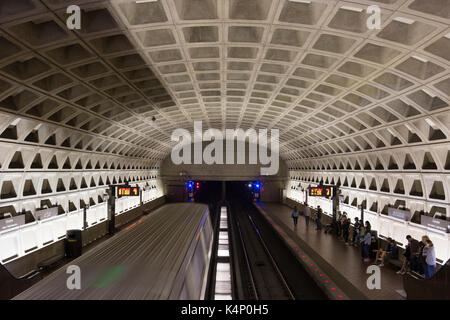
345 259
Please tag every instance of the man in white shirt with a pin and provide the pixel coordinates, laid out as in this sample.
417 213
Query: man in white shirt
307 214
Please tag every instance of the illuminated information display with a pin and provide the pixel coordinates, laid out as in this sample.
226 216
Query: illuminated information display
320 192
127 191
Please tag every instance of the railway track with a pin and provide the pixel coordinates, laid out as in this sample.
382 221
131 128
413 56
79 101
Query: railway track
260 273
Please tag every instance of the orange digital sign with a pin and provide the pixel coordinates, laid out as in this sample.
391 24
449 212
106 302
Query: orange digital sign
320 192
127 191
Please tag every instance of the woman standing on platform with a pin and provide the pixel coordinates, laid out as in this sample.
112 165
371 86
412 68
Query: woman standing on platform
430 260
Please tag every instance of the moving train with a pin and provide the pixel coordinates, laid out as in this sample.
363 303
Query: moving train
165 255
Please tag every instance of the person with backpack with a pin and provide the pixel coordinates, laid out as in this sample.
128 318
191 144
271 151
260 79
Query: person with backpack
295 215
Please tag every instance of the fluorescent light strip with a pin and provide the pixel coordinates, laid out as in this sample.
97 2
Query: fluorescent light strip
407 125
404 20
352 8
223 276
223 287
223 253
430 122
223 269
223 235
420 59
428 92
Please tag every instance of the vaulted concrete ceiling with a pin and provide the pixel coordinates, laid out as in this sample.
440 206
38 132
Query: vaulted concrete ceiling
311 69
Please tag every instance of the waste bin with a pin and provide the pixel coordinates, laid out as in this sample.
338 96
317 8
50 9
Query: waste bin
74 243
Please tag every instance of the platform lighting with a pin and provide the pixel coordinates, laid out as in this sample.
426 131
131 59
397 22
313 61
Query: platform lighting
145 1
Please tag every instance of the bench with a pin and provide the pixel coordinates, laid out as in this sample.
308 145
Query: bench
12 285
49 262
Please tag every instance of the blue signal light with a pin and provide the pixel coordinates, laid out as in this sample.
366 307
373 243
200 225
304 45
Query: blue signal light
257 185
190 185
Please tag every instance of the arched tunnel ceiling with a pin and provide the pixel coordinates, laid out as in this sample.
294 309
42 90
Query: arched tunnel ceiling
311 69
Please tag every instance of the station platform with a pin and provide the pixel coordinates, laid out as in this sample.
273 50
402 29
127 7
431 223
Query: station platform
340 262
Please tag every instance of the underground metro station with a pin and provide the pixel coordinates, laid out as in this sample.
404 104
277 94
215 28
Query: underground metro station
224 150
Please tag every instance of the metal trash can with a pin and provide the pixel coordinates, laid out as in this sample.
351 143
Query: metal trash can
74 243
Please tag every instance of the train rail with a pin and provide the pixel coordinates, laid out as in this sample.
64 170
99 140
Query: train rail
260 272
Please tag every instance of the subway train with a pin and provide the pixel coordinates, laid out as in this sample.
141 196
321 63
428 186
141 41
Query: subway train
165 255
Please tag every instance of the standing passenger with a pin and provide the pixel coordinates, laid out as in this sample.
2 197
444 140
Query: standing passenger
367 241
415 251
338 224
295 216
319 218
356 230
361 235
307 213
430 260
346 229
423 255
368 226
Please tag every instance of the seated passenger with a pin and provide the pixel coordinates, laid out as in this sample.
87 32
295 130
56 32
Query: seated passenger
391 250
430 260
